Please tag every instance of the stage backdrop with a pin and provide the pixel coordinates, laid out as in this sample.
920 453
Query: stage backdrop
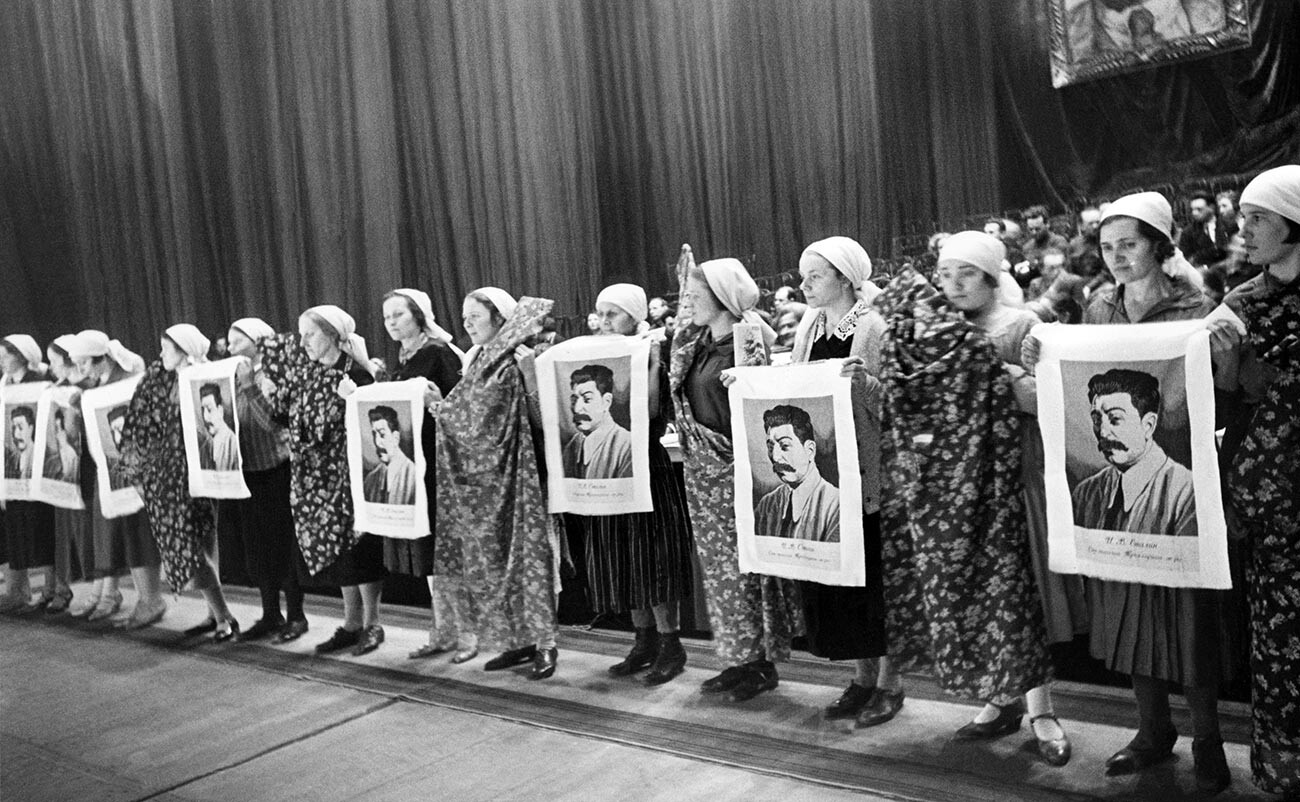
203 161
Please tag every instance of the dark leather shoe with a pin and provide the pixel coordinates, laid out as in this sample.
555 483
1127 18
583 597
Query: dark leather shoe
760 676
231 630
370 639
1141 753
1007 722
884 705
850 703
341 639
208 625
1212 774
292 631
1056 751
670 661
642 655
511 658
261 628
544 661
723 682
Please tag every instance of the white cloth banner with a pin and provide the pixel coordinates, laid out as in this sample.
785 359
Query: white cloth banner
594 396
103 409
19 402
211 429
56 478
1132 471
386 465
796 467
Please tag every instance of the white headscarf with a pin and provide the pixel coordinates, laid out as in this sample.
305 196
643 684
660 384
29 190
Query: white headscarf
851 259
29 349
65 342
93 342
190 340
630 298
736 291
350 343
987 254
1277 190
1153 209
254 328
422 301
502 300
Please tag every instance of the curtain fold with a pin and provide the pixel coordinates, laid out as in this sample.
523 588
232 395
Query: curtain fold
200 161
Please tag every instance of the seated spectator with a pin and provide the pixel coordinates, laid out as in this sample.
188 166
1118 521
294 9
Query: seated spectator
1205 240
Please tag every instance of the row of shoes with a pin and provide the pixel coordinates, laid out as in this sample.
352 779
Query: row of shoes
91 608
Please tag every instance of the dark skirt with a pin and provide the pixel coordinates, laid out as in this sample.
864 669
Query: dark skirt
360 564
638 560
847 623
410 557
29 534
121 543
264 525
1173 634
74 555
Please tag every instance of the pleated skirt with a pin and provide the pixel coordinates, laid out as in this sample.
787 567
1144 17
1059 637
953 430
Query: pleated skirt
848 623
638 560
29 534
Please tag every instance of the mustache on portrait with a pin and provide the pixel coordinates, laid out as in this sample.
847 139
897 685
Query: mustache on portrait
1107 444
581 418
782 467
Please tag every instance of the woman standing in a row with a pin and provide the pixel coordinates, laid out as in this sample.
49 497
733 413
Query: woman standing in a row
28 525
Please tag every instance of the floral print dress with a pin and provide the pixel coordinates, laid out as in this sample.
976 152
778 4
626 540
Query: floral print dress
153 458
306 397
960 552
1264 483
496 543
752 616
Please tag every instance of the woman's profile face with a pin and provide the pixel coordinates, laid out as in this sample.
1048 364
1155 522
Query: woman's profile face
9 361
1129 255
821 283
318 344
701 301
1263 234
240 344
477 319
172 355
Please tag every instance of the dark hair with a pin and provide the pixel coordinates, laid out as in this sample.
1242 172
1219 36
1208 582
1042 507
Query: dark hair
1001 224
601 375
213 389
385 413
61 351
25 412
416 311
1143 388
1037 210
1292 231
1161 244
794 417
1202 195
13 350
494 315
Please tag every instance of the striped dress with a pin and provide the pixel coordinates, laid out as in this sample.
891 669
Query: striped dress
638 560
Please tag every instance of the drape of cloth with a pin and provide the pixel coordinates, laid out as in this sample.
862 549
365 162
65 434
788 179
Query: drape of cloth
751 616
1262 483
306 399
954 446
153 458
496 543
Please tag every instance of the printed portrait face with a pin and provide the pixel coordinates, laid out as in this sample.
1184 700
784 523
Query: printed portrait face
386 433
791 443
116 423
211 407
22 423
1123 432
60 426
591 394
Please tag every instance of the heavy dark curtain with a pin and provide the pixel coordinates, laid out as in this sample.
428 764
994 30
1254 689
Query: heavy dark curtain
165 161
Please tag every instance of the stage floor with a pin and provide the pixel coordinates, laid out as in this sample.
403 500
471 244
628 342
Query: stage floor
88 712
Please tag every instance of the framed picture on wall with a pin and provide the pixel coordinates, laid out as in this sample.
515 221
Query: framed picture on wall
1098 38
